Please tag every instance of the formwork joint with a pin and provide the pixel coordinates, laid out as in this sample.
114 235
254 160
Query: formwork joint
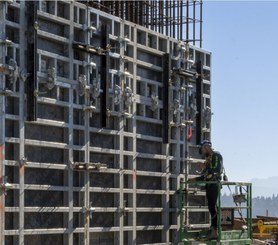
5 185
22 161
88 210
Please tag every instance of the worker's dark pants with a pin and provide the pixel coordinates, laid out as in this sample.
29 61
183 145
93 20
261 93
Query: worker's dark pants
212 194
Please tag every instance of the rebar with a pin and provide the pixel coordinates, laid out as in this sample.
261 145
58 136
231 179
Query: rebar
175 18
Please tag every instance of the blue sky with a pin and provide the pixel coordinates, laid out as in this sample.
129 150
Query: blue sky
243 39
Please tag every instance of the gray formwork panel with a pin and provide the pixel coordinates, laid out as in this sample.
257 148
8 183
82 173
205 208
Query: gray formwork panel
131 198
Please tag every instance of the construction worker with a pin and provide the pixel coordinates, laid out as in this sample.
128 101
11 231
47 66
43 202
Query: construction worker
211 171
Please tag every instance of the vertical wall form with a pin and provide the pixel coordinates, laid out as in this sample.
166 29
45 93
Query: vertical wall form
98 165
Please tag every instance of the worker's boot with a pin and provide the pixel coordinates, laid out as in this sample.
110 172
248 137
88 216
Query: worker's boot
213 234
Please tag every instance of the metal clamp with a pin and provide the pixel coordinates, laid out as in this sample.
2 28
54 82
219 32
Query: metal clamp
128 95
155 102
23 75
176 106
95 88
51 78
22 161
117 94
89 210
83 87
11 69
5 185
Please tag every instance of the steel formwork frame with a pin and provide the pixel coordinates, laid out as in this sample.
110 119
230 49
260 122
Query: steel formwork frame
97 165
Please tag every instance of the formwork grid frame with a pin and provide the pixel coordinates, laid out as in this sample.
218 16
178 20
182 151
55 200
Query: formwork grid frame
62 97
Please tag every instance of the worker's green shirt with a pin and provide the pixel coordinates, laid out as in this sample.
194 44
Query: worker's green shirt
213 168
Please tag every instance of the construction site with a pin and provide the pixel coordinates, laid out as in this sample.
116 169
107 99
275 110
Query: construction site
103 107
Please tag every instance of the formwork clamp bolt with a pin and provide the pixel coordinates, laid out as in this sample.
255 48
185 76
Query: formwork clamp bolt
123 73
36 92
90 29
89 210
92 65
5 185
22 161
124 40
100 51
36 25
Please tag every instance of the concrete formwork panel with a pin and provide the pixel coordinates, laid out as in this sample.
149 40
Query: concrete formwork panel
113 133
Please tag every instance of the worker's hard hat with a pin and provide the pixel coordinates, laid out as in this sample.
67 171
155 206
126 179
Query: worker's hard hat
205 142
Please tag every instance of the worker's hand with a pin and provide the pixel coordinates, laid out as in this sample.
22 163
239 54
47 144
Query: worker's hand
201 165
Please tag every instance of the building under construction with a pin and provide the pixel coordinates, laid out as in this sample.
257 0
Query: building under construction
103 104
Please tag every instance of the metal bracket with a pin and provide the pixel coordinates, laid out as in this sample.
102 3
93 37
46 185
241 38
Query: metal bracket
11 70
23 75
128 95
117 94
183 49
207 115
95 88
176 106
51 78
155 102
83 87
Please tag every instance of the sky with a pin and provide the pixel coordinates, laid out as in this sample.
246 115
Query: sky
243 39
